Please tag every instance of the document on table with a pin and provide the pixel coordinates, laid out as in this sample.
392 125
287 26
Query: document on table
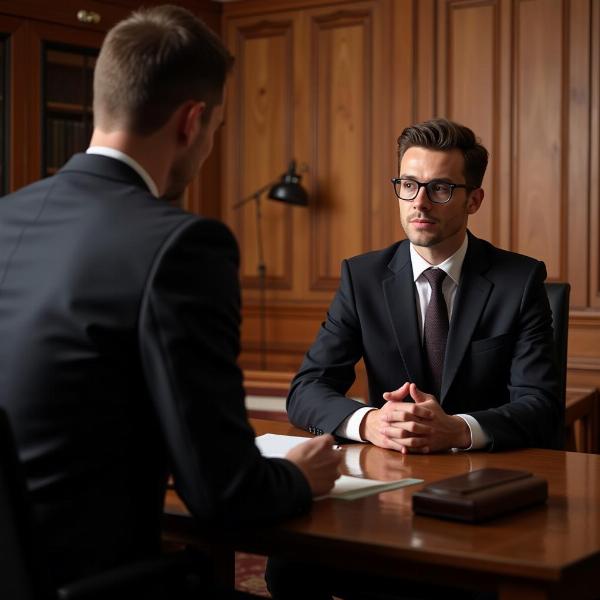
346 487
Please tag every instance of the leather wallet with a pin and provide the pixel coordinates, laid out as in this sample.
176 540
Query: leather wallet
480 495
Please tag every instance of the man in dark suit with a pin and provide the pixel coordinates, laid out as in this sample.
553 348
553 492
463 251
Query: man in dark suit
119 320
456 335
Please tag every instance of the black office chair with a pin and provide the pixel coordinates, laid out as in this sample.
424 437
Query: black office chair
22 574
558 296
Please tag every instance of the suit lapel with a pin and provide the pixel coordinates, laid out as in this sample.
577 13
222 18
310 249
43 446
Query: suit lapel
399 294
471 297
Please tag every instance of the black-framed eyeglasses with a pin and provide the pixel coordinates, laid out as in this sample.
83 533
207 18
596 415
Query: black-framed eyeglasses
438 191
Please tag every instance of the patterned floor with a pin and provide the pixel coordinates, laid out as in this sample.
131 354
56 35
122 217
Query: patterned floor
250 574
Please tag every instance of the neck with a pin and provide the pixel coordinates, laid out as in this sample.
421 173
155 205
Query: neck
438 253
151 152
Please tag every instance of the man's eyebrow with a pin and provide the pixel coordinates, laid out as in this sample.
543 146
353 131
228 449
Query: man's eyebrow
414 178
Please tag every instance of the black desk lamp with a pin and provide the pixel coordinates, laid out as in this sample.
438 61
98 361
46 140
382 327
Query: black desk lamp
285 189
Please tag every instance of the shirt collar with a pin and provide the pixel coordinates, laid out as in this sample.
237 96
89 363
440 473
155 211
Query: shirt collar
452 265
134 164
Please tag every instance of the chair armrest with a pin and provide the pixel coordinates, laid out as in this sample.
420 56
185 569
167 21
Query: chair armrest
581 419
153 578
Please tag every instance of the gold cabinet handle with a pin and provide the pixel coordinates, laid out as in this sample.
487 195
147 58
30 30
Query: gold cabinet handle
88 16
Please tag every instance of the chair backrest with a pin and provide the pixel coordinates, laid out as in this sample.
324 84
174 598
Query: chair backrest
558 296
19 578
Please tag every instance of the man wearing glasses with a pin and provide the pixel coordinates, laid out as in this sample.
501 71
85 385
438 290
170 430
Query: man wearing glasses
455 334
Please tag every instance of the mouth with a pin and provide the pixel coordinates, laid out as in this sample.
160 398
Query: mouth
421 222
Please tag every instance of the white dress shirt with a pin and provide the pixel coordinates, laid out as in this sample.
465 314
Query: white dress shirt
350 427
134 164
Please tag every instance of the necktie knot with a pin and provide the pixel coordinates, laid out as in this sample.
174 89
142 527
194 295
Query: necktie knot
435 277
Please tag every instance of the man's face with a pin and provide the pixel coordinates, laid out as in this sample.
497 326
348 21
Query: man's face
189 164
438 227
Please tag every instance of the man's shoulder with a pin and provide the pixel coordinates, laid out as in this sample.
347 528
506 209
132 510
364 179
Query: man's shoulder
499 257
506 269
377 258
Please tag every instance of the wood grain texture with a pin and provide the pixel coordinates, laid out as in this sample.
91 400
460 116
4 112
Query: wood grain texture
523 74
469 75
341 51
549 551
539 143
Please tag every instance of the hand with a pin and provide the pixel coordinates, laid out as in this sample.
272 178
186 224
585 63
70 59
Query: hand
421 427
319 462
442 431
388 426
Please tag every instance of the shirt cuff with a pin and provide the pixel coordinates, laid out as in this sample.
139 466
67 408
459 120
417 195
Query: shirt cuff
350 426
479 438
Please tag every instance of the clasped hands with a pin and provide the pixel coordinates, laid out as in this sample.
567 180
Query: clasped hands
418 427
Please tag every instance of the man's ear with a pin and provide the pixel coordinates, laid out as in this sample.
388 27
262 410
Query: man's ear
474 201
189 122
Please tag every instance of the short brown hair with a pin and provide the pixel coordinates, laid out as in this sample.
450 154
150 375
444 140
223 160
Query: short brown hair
152 62
444 135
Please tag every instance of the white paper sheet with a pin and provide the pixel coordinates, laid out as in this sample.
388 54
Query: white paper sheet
346 487
272 445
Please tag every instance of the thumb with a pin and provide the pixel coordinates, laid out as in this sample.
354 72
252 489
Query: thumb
397 395
417 395
321 441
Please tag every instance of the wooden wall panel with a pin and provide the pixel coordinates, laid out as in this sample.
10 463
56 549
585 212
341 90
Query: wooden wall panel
469 84
263 119
524 74
594 270
538 193
342 87
424 83
576 224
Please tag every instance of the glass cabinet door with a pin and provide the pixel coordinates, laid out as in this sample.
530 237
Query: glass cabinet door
66 103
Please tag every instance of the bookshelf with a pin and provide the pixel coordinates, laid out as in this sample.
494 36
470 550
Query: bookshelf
67 103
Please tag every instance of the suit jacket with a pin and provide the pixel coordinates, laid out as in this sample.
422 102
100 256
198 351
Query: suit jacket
119 334
499 364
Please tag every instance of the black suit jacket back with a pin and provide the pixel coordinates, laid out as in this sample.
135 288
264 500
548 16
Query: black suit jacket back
119 334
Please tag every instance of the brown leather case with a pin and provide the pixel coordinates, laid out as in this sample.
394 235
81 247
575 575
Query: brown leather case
480 495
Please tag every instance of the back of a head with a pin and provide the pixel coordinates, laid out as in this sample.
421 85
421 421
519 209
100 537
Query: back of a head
444 135
151 63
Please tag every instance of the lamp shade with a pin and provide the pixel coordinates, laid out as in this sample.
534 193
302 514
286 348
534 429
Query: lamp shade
289 190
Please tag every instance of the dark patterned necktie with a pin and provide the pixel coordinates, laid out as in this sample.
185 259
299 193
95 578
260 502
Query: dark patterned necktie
435 330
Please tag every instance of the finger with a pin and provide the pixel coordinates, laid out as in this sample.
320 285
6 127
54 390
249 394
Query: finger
416 442
397 395
408 412
320 442
326 439
406 428
418 396
391 444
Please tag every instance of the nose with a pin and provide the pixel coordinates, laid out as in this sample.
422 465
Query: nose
421 201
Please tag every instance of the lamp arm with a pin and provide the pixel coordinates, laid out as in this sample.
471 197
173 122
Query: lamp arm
253 195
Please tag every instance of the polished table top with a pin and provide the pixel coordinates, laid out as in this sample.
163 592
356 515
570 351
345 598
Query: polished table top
554 543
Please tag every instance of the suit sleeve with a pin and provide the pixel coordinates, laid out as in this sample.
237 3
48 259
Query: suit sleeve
189 338
317 400
534 415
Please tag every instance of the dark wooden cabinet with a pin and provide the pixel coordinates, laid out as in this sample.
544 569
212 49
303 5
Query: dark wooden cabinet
47 56
67 95
4 132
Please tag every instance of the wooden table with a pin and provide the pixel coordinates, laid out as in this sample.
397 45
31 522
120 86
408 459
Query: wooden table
551 551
